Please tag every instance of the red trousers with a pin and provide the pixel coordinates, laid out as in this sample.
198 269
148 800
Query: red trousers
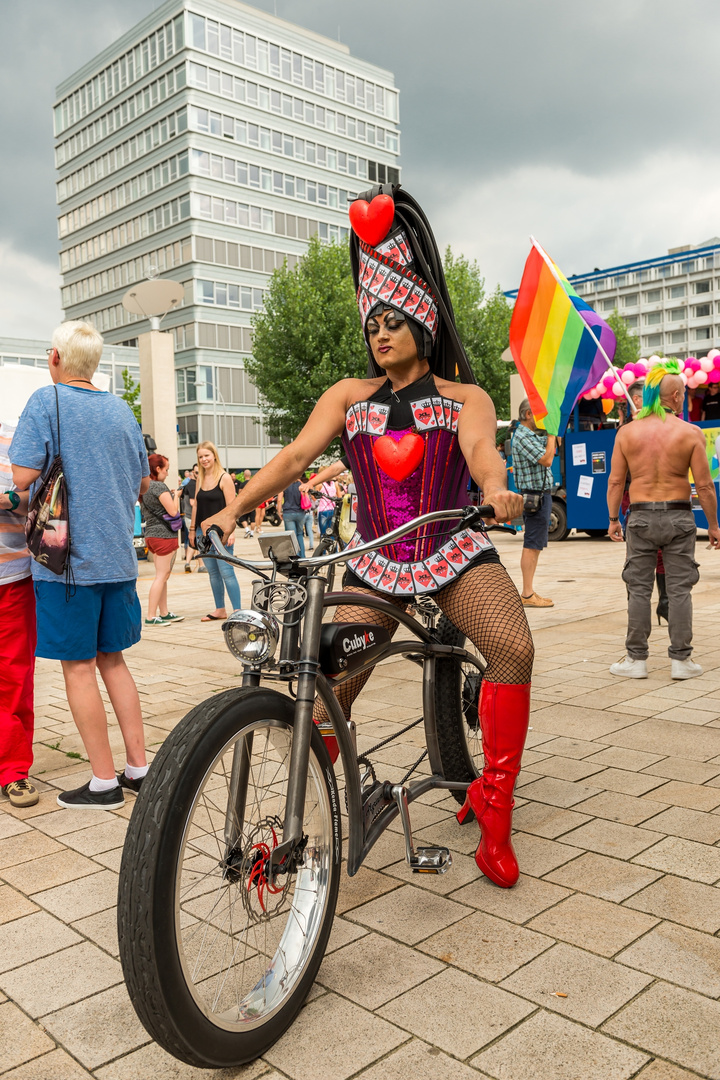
17 672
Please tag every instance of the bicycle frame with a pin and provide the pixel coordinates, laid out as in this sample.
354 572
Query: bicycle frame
305 668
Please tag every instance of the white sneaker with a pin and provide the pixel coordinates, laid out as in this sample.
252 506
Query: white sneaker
631 669
685 669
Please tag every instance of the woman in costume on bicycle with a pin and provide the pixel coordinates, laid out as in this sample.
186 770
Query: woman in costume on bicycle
412 436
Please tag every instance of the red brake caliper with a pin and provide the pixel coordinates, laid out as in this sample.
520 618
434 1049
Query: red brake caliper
258 876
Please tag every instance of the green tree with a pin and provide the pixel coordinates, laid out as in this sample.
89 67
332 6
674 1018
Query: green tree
306 338
628 345
131 393
483 323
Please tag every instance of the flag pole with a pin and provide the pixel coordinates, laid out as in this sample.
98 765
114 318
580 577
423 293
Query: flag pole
549 263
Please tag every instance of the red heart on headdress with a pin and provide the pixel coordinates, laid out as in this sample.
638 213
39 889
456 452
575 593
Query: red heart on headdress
399 459
372 221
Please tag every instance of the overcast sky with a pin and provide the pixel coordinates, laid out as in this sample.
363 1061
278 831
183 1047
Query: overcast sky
592 126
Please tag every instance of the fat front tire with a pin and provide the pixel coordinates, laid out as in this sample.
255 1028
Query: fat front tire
217 957
457 694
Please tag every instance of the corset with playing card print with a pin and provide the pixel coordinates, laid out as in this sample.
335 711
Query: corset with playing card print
404 453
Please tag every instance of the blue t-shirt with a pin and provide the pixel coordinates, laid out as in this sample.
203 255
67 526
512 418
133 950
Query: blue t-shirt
104 459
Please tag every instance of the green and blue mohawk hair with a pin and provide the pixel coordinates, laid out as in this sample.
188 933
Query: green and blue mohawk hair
651 390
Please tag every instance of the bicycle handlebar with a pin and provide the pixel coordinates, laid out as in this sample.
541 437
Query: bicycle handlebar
468 516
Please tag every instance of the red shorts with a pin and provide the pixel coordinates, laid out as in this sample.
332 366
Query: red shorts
159 546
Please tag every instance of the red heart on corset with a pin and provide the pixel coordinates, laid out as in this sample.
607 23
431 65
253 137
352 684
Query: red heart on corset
423 415
372 221
440 568
375 420
405 581
350 423
466 544
423 577
399 459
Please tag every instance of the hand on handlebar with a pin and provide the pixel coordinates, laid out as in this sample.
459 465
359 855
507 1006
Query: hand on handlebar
225 522
507 505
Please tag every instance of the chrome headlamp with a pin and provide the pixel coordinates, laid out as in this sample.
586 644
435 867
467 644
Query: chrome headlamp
252 636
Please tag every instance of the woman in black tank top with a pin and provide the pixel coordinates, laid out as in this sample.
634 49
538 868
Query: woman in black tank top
214 491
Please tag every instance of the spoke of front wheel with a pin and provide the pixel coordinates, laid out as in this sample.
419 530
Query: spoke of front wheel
244 941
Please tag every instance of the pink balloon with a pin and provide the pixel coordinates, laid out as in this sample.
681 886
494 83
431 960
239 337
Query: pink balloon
617 389
684 377
628 377
643 364
692 364
608 379
706 363
701 378
713 352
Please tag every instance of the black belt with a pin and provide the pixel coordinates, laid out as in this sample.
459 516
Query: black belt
532 491
673 504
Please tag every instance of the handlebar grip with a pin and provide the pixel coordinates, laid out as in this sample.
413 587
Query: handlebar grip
207 541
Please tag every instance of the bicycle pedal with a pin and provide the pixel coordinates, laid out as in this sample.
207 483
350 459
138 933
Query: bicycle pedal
430 860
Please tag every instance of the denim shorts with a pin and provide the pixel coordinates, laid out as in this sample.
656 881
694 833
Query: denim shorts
94 618
537 526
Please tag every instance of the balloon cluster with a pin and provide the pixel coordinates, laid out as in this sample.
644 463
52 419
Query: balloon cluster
694 372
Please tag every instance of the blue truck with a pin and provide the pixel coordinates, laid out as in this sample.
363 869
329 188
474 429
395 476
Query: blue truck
581 470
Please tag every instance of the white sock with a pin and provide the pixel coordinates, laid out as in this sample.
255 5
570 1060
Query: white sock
96 784
136 772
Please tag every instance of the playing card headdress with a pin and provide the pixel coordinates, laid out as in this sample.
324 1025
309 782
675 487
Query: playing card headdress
396 264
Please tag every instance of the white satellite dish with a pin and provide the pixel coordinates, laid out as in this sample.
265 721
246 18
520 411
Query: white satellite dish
153 299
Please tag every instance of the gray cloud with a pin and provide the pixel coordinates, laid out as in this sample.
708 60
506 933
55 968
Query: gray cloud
500 101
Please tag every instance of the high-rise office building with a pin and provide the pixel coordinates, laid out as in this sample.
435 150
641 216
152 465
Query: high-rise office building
207 145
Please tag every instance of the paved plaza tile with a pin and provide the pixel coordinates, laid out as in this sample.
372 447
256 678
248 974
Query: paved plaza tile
602 963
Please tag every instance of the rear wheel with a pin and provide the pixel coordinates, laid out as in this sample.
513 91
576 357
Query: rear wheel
457 696
558 521
219 954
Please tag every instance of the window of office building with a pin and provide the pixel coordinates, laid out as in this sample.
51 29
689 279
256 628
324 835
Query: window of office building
653 340
621 280
701 310
688 267
128 151
703 333
188 430
702 287
631 321
224 294
677 336
166 172
676 314
115 78
630 300
296 108
652 296
665 271
676 291
122 115
653 318
260 55
610 304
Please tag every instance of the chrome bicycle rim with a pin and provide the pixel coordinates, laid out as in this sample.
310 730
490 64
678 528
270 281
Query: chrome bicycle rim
243 942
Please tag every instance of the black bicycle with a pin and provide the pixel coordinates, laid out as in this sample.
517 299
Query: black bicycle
231 865
330 541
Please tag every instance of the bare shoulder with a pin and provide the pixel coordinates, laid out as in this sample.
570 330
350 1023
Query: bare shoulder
347 391
467 393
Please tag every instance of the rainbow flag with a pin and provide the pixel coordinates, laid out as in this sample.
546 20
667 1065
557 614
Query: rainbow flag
556 355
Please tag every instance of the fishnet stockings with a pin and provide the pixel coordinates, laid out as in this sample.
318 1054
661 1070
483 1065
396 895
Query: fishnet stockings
484 604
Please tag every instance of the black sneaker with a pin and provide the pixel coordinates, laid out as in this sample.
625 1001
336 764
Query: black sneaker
83 798
130 783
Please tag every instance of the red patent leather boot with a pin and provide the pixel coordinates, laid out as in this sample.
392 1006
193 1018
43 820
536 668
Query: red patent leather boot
504 714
